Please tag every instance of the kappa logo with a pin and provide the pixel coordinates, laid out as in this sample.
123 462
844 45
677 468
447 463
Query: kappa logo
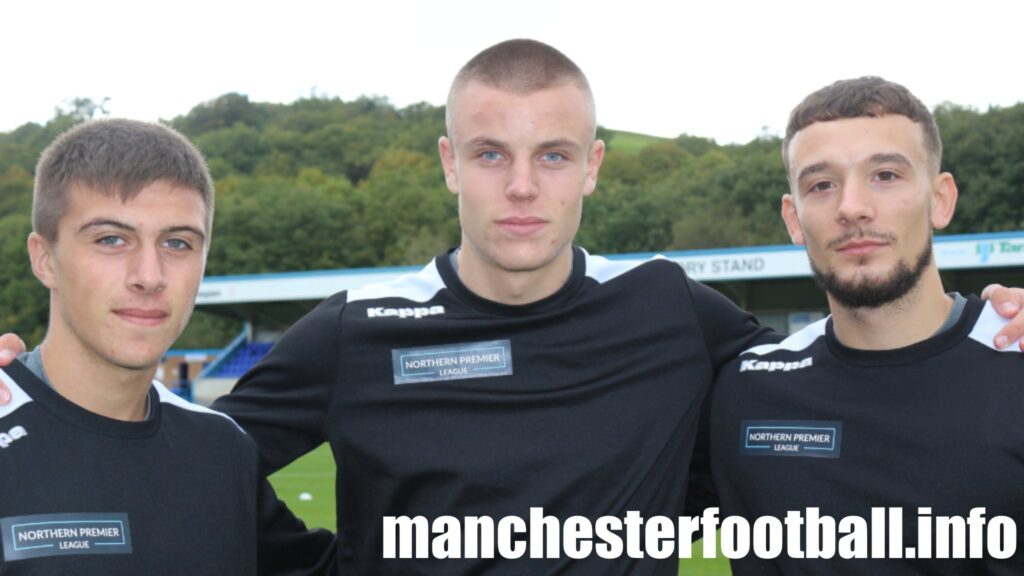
765 366
419 312
8 438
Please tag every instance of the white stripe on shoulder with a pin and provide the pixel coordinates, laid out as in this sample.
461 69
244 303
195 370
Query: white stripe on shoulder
602 269
985 329
168 397
18 396
795 342
418 287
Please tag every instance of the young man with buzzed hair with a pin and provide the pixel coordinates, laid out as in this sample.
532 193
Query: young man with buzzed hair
899 399
533 375
523 252
102 470
542 376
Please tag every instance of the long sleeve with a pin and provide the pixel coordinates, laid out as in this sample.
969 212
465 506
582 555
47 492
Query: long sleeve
283 401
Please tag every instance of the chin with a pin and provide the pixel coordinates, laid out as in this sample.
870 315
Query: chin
526 258
138 357
523 264
865 279
137 363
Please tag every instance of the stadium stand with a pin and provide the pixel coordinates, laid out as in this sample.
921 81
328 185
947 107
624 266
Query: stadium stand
774 282
243 358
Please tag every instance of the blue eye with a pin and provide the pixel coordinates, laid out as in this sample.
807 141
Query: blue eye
110 241
553 157
178 244
490 156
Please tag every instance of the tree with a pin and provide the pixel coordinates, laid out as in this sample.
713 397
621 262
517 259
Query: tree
222 112
268 224
410 216
985 154
238 149
24 302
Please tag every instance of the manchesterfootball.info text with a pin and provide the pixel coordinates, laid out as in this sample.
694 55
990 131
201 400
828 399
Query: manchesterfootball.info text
800 534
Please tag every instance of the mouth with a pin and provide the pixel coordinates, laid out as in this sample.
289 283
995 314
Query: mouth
861 247
142 316
521 226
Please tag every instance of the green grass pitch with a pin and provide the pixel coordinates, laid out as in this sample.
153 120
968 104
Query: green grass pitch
313 474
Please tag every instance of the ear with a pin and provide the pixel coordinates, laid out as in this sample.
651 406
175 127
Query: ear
446 148
943 200
40 252
594 160
792 220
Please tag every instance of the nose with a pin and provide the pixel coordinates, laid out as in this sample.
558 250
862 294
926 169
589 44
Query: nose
855 204
522 184
146 271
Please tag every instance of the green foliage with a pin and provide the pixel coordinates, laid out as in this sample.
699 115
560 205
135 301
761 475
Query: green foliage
647 166
666 197
985 153
410 216
24 302
15 191
266 224
732 199
22 146
236 149
223 112
695 144
323 183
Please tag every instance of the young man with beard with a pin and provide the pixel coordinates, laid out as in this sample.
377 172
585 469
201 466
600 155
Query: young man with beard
514 371
899 399
102 470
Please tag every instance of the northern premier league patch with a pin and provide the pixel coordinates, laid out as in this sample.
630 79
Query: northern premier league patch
452 362
806 438
42 535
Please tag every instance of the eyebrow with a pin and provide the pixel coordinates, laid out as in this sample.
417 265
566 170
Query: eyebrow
188 229
812 169
99 222
893 158
559 143
486 142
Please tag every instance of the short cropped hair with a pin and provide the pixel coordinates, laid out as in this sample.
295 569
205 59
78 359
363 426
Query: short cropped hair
520 66
869 96
114 157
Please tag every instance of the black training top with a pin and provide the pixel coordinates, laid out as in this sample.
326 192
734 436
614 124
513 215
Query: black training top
438 402
178 493
813 423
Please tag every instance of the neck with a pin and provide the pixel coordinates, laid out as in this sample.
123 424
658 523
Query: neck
513 287
911 319
84 378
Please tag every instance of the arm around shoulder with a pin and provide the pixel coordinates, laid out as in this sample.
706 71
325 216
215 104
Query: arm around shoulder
728 329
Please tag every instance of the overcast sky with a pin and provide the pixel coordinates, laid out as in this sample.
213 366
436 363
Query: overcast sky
726 70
